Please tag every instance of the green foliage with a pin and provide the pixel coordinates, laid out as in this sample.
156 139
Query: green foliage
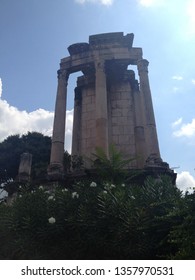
99 221
110 218
12 148
67 162
10 151
72 163
112 167
76 162
182 234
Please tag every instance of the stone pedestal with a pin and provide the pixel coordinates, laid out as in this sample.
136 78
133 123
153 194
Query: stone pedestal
24 171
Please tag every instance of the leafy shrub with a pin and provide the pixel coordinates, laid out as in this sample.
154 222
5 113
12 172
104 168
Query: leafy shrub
98 221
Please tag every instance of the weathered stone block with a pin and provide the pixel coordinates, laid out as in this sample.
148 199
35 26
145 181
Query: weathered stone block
116 112
117 130
87 100
115 95
126 95
124 139
127 112
24 171
123 104
90 123
115 139
90 142
128 130
90 107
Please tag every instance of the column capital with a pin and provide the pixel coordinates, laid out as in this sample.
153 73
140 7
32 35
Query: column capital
142 65
100 65
63 74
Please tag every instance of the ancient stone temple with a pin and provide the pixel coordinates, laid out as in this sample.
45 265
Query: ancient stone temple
111 106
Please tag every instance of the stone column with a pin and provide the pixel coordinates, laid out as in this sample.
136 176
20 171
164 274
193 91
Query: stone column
151 134
76 135
101 107
139 130
57 149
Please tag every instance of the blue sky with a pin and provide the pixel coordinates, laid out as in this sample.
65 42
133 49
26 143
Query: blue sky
35 35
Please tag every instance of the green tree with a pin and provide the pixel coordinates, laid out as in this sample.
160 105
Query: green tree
113 167
11 149
182 234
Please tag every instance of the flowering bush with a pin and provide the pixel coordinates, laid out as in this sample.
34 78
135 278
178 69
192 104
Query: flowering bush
99 220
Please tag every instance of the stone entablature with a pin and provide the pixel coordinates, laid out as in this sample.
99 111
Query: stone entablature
111 106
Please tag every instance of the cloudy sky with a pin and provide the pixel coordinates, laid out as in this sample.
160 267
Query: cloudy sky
35 35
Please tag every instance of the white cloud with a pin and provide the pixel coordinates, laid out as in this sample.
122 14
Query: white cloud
14 121
190 8
103 2
149 3
146 3
186 130
178 78
193 81
0 88
185 181
177 122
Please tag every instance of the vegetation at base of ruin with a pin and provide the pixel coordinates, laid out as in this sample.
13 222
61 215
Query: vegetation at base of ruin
11 149
112 168
99 220
97 217
40 147
72 163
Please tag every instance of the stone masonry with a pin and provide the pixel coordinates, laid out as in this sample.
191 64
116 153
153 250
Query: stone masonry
111 105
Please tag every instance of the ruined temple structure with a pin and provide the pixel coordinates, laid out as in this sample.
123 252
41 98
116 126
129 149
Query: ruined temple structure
111 106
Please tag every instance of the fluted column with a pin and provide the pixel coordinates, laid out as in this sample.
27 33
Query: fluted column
101 107
57 148
151 134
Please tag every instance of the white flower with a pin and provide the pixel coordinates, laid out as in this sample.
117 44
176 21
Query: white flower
40 187
52 220
65 190
51 197
20 187
108 187
105 192
75 194
93 184
122 185
133 197
48 192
